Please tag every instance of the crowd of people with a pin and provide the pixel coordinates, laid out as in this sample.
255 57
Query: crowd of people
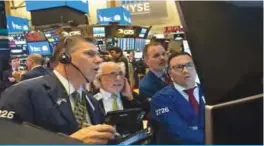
74 95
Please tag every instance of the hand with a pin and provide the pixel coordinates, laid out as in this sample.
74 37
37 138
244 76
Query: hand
11 79
127 91
98 134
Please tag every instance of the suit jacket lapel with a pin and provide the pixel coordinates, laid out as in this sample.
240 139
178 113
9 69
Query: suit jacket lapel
157 80
59 96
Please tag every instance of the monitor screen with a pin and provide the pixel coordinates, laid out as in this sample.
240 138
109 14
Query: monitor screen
98 31
51 35
42 48
138 55
227 46
238 122
17 40
35 36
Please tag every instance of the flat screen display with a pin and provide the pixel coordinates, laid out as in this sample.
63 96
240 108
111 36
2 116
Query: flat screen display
51 35
98 31
35 36
42 48
16 40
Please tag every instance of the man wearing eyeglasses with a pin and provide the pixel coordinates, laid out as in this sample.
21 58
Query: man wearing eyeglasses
114 90
178 109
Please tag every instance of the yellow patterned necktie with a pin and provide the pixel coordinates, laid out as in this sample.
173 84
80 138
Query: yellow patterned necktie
80 109
114 104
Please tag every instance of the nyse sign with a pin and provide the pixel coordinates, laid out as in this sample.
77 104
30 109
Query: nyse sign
138 8
126 31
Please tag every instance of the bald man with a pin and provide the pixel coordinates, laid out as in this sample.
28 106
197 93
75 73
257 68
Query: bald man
34 65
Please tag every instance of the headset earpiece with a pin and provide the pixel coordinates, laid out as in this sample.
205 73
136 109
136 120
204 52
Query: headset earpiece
65 58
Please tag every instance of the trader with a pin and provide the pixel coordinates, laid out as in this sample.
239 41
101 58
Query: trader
178 110
58 102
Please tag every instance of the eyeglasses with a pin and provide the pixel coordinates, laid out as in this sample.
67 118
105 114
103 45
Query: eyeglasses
180 68
113 75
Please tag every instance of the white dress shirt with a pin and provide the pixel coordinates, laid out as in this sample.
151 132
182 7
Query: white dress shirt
108 101
185 95
70 89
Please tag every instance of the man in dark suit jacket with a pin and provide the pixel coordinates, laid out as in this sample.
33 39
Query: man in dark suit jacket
8 75
178 110
155 57
34 64
58 102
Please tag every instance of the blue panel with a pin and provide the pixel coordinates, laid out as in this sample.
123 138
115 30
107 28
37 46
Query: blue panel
42 48
16 24
81 5
117 14
38 5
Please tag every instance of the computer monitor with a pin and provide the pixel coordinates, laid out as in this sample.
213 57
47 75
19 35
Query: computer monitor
226 42
42 48
225 39
35 36
99 31
235 122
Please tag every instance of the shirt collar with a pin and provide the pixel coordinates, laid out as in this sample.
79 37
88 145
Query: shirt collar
106 95
158 74
66 84
181 88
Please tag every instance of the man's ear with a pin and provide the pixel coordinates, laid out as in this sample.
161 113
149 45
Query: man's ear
169 74
146 60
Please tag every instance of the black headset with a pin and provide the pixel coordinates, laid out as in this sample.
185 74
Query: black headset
65 58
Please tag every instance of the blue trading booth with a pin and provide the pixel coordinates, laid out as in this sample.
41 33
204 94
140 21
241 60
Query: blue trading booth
16 27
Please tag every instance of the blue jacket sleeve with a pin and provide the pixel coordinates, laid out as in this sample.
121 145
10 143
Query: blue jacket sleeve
15 104
163 112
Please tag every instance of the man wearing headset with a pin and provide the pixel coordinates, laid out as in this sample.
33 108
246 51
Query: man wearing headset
58 102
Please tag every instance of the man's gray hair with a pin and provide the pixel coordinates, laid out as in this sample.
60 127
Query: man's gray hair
97 81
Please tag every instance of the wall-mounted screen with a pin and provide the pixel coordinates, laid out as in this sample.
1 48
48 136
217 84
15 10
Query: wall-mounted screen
143 33
98 31
17 40
35 36
42 48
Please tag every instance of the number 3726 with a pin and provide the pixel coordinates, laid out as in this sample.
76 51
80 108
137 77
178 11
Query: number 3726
7 114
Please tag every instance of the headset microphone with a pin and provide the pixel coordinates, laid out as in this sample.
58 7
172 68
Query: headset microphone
65 58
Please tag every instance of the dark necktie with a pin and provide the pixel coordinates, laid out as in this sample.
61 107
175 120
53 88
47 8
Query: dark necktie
80 109
166 78
192 100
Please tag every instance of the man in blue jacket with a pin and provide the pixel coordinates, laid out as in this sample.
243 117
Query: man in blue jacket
178 110
58 102
156 58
